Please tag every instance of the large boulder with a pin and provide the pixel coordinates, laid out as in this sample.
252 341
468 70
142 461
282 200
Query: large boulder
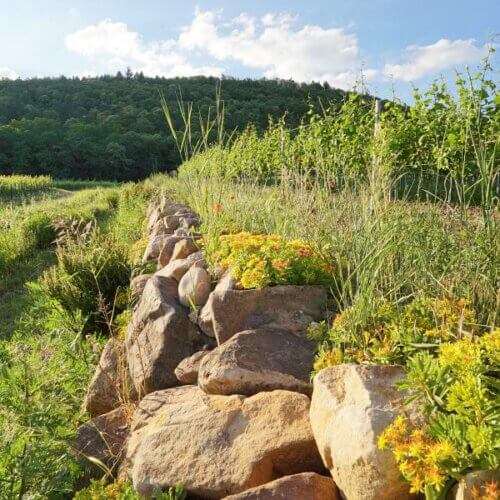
226 282
137 285
165 252
303 486
108 388
351 405
103 440
176 269
187 370
159 337
154 246
258 360
219 445
286 307
184 248
194 287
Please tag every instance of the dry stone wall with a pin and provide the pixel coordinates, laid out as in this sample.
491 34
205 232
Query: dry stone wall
211 388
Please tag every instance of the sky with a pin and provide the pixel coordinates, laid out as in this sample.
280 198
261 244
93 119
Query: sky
391 45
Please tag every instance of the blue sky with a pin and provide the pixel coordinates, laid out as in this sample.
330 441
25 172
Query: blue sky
395 43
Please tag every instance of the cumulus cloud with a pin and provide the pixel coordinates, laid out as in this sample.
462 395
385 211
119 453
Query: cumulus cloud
119 47
272 44
426 60
277 47
8 73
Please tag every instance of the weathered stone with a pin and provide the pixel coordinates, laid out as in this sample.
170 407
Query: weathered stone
187 370
287 307
103 438
351 405
258 360
194 287
153 249
304 486
159 337
108 387
227 282
188 221
176 269
219 445
165 252
137 285
475 485
183 249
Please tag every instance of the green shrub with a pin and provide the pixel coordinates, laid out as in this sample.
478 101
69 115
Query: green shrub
88 277
123 490
458 392
38 230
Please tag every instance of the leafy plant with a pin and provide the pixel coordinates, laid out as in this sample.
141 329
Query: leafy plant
458 392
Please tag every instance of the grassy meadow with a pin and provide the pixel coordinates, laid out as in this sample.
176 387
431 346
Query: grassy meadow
402 207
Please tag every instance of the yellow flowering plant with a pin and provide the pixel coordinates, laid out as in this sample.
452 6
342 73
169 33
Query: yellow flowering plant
458 390
260 260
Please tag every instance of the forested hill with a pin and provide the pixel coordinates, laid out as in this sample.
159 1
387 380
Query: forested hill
114 127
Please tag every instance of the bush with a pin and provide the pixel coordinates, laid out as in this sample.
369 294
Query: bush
259 260
458 391
38 230
88 278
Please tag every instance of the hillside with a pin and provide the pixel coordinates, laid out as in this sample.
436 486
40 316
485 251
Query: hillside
113 127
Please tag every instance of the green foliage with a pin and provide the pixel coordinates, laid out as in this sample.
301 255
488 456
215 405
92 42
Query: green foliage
384 333
122 490
114 128
458 392
38 230
14 187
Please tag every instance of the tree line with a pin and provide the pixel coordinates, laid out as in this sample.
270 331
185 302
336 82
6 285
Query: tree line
113 127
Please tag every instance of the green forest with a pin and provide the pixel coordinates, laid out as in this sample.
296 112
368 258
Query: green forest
113 127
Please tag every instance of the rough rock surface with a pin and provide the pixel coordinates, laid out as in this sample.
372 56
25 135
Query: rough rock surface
227 282
154 246
159 337
187 370
351 405
177 268
286 307
137 285
304 486
258 360
184 248
103 438
219 445
167 247
194 287
106 389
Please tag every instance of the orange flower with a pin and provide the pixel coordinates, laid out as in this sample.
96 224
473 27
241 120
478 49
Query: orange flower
217 208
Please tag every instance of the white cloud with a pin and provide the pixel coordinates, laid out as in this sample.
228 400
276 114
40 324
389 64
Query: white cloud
430 59
119 47
272 44
8 73
277 47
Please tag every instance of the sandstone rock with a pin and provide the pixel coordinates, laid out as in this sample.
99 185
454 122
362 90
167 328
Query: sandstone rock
165 252
351 405
154 215
188 221
287 307
304 486
194 287
187 370
227 282
219 445
137 285
183 249
154 247
102 438
159 337
108 387
258 360
474 485
176 269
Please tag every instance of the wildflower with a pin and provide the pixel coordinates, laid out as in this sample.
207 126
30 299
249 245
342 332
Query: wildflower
217 208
